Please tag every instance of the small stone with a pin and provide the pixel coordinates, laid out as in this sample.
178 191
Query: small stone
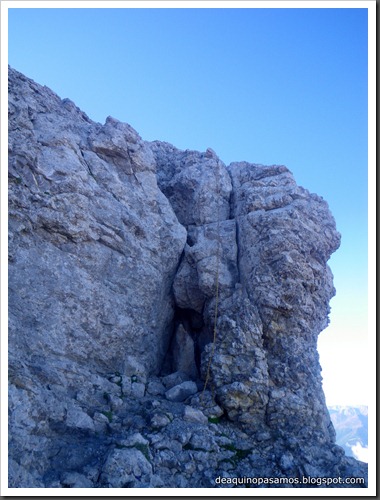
76 480
287 462
175 378
156 482
159 420
337 450
135 369
181 433
203 442
190 467
181 392
138 390
155 388
194 415
277 393
126 386
100 422
77 418
125 468
115 402
263 436
311 470
116 379
100 417
206 402
168 444
134 439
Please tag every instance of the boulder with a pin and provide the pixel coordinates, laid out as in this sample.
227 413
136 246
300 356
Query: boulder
182 391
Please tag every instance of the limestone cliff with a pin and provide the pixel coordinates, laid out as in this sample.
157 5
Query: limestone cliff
138 272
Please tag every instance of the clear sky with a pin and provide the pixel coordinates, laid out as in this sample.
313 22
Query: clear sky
285 86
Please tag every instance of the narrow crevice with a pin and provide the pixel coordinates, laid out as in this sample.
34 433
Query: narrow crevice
238 252
88 166
193 324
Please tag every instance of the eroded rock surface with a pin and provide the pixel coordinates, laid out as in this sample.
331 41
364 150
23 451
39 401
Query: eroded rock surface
268 240
138 272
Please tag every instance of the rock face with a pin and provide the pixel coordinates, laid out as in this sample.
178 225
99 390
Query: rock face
138 274
268 240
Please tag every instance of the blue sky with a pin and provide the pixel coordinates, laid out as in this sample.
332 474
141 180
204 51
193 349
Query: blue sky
285 86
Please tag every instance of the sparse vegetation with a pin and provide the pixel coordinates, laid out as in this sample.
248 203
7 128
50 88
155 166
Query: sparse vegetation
144 448
239 454
109 415
214 420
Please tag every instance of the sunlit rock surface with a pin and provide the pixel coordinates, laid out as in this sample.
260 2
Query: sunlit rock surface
137 272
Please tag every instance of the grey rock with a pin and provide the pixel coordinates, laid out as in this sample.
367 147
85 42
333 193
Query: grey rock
18 476
155 388
263 436
115 402
182 391
193 415
156 482
167 459
116 379
134 439
205 401
287 462
137 390
134 370
203 441
168 444
128 260
126 468
77 418
101 422
159 420
184 353
89 219
126 386
179 431
93 218
196 184
76 480
175 378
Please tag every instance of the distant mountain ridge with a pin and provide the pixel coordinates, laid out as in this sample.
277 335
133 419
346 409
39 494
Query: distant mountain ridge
351 426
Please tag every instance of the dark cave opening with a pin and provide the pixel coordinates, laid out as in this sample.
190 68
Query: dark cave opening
188 339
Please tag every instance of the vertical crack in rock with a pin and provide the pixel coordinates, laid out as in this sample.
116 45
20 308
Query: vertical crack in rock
274 212
276 381
238 366
238 250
